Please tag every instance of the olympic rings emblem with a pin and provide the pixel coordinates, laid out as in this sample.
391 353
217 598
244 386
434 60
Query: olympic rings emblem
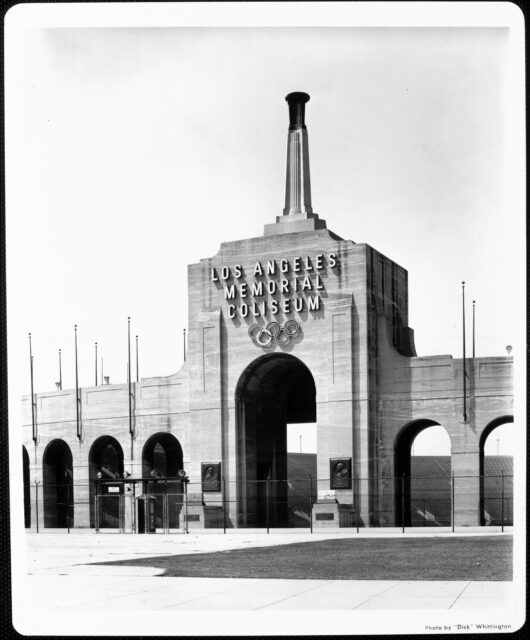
264 336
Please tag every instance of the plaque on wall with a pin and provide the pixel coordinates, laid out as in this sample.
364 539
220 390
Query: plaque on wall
324 516
340 473
211 476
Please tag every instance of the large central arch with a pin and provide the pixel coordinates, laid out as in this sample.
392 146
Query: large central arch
274 390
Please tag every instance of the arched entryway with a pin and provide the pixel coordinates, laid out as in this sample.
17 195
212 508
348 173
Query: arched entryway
274 390
422 463
105 463
162 459
58 491
27 488
496 476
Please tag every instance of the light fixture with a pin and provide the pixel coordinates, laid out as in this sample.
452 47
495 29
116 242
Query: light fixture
183 476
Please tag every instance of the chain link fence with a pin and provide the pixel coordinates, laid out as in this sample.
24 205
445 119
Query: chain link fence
171 505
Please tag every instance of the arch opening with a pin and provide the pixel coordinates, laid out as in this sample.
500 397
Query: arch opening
496 473
106 459
422 463
27 488
162 459
57 485
273 391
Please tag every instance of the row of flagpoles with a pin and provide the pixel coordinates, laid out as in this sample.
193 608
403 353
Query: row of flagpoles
104 379
464 361
465 376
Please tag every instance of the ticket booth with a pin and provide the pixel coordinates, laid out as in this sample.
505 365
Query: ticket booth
146 514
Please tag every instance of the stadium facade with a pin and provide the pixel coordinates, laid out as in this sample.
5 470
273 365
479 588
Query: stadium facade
295 326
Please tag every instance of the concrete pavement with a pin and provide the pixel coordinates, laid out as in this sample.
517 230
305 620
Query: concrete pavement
60 581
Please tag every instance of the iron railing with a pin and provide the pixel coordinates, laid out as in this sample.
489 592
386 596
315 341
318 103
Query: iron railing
168 505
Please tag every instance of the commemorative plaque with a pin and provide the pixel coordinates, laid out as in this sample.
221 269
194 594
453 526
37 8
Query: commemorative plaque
211 476
340 473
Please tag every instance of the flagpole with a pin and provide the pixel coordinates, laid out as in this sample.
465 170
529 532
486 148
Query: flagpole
474 328
60 372
33 425
464 345
96 363
137 370
129 381
184 343
78 426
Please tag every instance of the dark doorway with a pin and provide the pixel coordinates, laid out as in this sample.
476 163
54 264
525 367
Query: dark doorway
162 460
58 485
105 463
274 390
422 483
27 488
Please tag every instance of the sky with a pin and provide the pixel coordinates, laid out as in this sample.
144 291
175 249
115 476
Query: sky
133 152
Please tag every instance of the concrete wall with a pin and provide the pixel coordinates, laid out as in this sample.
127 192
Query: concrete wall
338 343
370 386
160 405
431 388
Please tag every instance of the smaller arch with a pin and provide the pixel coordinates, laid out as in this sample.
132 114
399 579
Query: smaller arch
493 424
106 458
162 453
57 485
27 488
403 443
403 477
162 458
495 492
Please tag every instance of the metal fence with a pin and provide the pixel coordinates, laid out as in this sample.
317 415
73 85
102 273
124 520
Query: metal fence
169 505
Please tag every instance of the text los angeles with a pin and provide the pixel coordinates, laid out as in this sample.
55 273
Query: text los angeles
284 277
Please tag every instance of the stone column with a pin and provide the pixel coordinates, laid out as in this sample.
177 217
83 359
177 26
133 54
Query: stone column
81 489
465 465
